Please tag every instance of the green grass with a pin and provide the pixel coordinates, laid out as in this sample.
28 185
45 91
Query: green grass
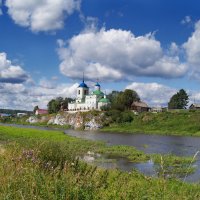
166 123
38 164
80 145
22 121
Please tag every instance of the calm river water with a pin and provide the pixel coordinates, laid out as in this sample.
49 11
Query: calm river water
178 145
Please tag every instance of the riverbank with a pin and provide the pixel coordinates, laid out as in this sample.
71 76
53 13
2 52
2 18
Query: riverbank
183 123
91 120
47 165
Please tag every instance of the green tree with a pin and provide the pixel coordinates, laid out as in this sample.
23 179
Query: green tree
123 100
117 102
64 103
113 95
55 105
128 97
35 108
179 100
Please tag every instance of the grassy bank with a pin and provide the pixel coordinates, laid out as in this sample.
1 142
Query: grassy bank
37 164
31 137
166 123
23 121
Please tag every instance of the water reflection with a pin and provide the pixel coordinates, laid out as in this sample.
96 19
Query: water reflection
178 145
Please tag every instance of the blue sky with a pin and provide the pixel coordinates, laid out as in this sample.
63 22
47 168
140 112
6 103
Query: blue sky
151 46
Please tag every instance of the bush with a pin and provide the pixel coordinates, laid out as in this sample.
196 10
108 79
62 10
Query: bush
120 117
127 116
192 110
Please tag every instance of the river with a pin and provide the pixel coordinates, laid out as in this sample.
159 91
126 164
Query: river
177 145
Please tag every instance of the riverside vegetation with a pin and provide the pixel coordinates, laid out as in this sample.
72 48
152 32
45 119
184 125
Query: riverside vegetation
177 122
36 164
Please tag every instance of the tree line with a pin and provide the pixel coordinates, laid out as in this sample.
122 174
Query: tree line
58 104
120 101
14 112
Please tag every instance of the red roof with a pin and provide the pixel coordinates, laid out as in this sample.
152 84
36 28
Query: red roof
41 111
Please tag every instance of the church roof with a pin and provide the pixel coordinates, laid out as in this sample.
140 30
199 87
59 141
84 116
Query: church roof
98 92
83 85
104 100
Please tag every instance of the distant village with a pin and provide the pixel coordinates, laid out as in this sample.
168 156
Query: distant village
97 100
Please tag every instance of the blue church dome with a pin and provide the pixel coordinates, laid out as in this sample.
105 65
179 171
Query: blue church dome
83 85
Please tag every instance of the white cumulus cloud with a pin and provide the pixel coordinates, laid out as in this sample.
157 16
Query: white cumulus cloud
19 91
11 73
41 15
0 7
187 19
192 49
25 96
116 55
154 94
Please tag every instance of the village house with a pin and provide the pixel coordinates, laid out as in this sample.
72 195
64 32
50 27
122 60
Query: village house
41 112
139 106
156 109
21 114
194 106
5 115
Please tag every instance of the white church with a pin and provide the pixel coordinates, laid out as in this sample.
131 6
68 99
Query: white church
85 101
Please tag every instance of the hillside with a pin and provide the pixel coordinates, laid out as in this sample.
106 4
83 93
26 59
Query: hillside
166 123
91 120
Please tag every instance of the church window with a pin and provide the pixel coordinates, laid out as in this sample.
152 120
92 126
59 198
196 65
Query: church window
79 91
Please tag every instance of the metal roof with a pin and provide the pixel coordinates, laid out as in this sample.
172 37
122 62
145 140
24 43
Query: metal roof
140 104
83 85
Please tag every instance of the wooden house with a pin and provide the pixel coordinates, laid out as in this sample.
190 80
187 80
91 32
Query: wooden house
139 106
194 106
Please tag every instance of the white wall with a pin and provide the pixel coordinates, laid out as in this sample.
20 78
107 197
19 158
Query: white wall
91 101
82 92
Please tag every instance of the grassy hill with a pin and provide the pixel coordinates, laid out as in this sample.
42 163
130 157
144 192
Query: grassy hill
167 123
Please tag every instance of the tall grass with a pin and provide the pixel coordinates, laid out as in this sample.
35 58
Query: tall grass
45 165
50 174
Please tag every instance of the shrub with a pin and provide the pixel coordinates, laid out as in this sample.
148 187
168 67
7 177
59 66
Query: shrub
126 116
120 117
